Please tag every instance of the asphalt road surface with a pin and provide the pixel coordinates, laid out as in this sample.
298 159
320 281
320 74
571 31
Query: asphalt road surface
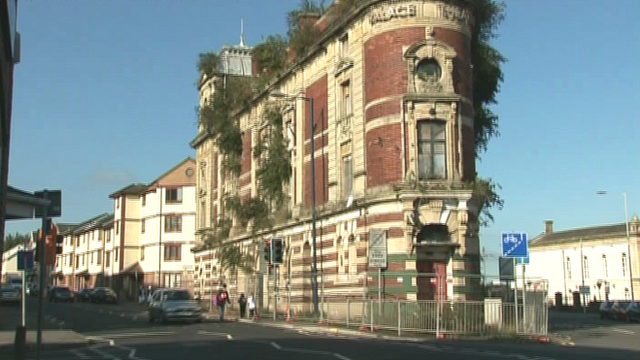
123 332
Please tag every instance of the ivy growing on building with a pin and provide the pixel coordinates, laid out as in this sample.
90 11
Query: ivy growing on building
270 58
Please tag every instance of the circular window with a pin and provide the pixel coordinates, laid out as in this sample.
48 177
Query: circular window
429 70
189 172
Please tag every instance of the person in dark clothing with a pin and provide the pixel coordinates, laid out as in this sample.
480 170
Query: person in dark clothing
243 305
221 300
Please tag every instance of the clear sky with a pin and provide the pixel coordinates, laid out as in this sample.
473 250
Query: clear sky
105 96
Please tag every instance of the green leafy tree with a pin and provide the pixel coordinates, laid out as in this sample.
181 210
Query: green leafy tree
270 58
12 240
208 63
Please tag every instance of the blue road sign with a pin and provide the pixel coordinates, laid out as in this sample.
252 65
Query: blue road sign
515 245
522 261
25 260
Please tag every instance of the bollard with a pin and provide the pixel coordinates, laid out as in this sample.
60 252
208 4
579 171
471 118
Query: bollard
20 343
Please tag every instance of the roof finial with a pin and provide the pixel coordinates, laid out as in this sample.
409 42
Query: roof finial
241 32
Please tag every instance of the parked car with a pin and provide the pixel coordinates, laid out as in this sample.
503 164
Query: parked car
103 295
633 312
84 295
174 305
605 310
619 310
10 295
60 293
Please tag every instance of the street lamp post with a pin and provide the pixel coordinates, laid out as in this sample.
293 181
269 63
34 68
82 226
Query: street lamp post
626 222
314 279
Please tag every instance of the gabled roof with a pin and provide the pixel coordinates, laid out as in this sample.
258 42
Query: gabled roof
64 229
133 189
590 233
154 182
93 223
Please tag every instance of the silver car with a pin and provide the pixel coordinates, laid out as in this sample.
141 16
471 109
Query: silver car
10 295
174 305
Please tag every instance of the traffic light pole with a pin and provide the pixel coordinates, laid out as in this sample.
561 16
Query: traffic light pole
43 274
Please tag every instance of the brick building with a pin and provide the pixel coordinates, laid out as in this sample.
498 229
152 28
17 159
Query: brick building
394 155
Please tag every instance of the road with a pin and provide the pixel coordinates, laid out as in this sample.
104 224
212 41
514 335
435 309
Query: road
589 330
132 337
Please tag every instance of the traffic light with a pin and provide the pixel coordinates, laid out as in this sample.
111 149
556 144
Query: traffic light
267 251
59 242
278 250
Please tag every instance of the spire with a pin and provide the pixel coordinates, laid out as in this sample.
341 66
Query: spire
241 32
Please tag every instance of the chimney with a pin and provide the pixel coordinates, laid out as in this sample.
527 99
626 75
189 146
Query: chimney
548 227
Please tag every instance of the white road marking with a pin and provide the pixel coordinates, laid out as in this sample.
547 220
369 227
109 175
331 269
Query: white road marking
622 331
104 354
275 345
130 335
202 332
341 357
135 318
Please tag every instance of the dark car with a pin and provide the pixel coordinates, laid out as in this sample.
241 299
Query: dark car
10 295
84 295
605 310
103 295
633 312
60 294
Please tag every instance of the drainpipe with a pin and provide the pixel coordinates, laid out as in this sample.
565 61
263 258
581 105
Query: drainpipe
403 150
160 238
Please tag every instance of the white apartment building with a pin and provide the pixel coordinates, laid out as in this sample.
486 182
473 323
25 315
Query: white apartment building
147 241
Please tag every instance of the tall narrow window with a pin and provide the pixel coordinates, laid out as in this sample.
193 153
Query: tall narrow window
107 259
347 176
99 262
345 93
142 251
143 225
585 267
173 195
605 270
344 46
624 264
431 150
115 255
144 199
568 268
173 223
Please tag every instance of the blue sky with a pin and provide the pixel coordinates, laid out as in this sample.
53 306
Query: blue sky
105 96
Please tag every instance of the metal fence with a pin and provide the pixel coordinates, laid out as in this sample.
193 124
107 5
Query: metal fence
489 317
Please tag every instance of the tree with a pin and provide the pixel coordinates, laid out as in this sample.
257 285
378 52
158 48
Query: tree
12 240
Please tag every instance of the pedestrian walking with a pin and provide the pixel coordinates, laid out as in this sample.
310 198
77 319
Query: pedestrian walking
243 306
252 306
221 300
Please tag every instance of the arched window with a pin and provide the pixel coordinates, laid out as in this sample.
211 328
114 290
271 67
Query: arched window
429 70
432 154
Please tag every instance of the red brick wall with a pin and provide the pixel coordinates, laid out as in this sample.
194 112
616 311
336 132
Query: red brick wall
318 92
462 81
384 164
384 66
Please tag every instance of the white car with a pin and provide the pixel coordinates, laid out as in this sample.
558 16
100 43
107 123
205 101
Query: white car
10 295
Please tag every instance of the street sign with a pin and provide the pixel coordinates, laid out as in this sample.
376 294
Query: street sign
25 260
514 244
378 248
55 207
585 290
507 269
522 260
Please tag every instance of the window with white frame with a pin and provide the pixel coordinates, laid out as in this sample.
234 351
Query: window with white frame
173 252
99 260
585 267
568 267
143 224
624 264
431 150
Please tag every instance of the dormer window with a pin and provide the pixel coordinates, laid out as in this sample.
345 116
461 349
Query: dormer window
344 46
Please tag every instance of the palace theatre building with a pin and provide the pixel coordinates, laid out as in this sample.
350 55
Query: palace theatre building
390 88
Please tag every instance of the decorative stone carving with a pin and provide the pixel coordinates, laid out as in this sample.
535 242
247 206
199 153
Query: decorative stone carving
345 129
441 55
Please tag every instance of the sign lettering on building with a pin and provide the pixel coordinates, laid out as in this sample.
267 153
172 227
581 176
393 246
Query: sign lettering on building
391 12
454 13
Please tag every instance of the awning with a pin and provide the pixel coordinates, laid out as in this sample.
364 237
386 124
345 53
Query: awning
134 268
